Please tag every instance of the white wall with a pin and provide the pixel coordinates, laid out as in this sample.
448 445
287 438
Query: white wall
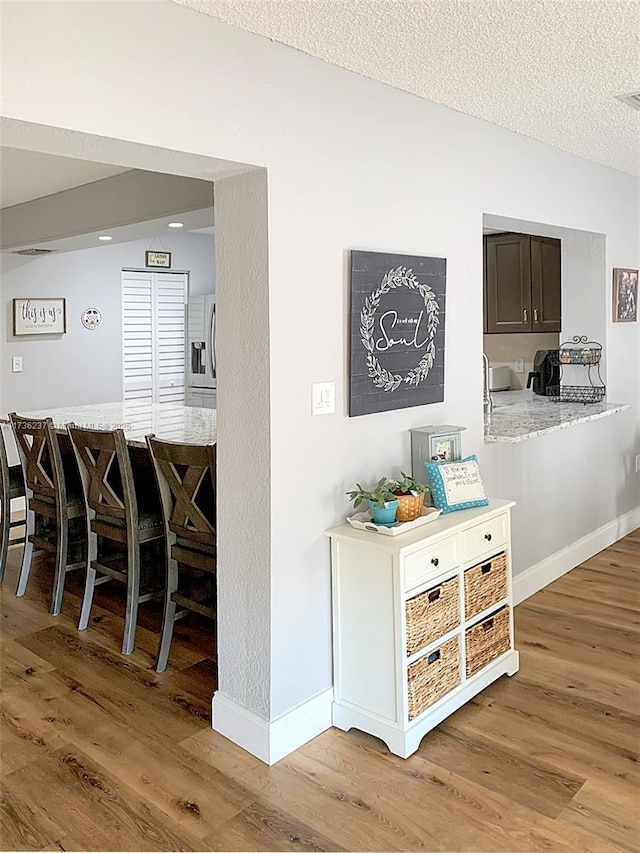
82 366
351 164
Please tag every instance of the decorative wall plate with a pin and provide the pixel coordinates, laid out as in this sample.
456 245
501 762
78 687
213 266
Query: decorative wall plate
91 318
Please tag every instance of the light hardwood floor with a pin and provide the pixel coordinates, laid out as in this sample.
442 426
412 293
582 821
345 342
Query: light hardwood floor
99 753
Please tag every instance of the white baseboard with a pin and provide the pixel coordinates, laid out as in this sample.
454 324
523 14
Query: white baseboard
553 567
271 741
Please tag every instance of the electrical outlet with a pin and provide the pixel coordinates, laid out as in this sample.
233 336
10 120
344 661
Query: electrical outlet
518 365
638 464
16 364
323 398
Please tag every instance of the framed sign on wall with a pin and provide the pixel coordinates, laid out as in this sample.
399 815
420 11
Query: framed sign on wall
39 317
158 259
397 331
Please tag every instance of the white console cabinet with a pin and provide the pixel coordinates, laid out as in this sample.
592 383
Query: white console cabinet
422 621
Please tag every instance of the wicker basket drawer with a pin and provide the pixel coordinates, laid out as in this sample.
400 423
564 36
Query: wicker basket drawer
487 640
484 585
431 614
431 677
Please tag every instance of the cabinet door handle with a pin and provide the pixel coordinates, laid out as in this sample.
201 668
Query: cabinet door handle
487 536
435 561
535 315
525 316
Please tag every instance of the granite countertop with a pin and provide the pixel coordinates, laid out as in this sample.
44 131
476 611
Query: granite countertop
186 424
521 415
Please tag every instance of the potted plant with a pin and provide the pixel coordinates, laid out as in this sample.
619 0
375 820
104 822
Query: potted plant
410 494
382 502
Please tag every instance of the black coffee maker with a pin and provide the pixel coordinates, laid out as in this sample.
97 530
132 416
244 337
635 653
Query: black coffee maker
544 379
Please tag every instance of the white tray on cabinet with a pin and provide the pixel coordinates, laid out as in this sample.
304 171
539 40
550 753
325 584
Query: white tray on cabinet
362 521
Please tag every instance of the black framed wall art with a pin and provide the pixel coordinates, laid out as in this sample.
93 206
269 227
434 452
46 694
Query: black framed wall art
396 331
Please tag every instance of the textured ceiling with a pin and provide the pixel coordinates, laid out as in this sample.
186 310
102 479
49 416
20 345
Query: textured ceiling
549 69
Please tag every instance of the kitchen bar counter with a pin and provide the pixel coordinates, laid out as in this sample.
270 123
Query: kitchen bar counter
521 415
185 424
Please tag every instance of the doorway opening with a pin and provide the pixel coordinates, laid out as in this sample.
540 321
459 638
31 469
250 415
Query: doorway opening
242 649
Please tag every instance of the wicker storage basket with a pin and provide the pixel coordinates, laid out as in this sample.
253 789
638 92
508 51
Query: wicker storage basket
409 507
431 614
484 585
435 674
487 640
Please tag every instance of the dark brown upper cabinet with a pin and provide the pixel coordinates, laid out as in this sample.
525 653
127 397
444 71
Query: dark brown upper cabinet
521 284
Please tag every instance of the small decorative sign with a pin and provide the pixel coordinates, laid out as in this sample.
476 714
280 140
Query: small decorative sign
91 318
39 317
158 259
397 331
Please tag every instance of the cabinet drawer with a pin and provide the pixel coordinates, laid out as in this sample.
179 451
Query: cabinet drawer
431 677
487 536
487 640
432 614
485 585
429 562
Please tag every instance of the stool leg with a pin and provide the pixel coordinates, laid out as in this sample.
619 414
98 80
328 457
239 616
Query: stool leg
27 554
5 515
133 594
92 554
62 549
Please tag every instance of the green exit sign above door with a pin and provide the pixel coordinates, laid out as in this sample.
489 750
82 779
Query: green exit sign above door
158 259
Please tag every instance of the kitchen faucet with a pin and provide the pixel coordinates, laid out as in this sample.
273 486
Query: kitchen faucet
487 402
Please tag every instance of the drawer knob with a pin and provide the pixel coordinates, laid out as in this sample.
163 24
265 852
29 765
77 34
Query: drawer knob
435 561
487 536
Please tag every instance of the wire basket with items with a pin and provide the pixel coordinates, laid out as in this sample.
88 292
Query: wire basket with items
579 363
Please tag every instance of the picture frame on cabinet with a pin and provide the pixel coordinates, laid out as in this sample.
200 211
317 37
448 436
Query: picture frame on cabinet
39 316
625 295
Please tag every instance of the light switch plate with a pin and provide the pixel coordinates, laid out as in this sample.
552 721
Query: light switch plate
16 364
323 398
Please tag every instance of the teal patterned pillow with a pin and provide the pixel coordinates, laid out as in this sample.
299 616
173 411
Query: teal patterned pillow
456 485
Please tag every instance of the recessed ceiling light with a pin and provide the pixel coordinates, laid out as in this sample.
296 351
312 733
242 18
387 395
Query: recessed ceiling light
176 225
105 237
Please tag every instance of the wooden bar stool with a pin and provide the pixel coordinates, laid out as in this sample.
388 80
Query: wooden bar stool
11 488
52 503
120 521
186 480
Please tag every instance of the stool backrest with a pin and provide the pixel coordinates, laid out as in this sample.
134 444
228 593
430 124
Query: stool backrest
4 469
186 475
106 472
40 456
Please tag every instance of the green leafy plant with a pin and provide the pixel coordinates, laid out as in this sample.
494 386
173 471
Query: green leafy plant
408 485
378 496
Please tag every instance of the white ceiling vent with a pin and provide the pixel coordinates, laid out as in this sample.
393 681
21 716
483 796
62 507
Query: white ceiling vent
34 252
633 100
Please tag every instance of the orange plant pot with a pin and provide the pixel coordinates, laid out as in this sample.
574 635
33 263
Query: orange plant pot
409 507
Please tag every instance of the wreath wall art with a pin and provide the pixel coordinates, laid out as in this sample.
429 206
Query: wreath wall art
397 331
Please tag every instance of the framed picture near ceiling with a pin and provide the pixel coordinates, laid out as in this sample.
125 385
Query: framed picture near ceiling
625 296
39 316
396 331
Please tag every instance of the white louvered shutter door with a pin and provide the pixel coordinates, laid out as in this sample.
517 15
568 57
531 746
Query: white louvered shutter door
153 333
170 337
137 338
